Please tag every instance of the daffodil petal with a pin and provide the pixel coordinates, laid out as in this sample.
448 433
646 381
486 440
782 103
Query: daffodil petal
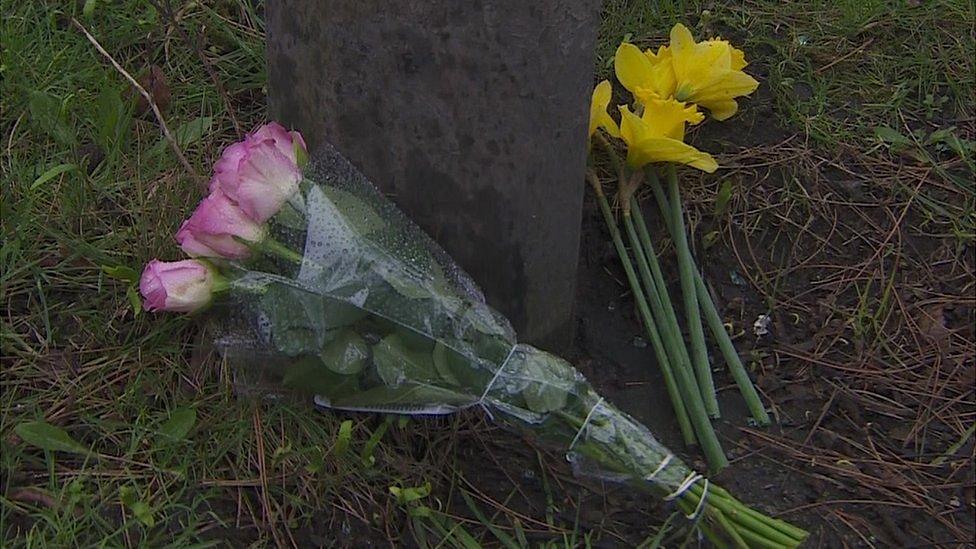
731 84
663 149
602 93
632 128
633 70
599 118
667 118
738 59
721 109
682 42
609 124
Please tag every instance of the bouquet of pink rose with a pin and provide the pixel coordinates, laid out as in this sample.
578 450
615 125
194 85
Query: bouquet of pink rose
326 289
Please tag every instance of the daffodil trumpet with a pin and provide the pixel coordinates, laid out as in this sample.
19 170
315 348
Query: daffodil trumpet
710 311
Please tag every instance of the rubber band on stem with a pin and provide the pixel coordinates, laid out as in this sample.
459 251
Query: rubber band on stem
498 372
691 479
664 463
701 503
586 421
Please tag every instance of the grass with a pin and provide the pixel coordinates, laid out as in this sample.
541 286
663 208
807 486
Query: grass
877 97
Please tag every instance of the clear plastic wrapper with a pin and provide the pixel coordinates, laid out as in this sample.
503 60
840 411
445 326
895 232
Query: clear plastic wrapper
351 305
354 306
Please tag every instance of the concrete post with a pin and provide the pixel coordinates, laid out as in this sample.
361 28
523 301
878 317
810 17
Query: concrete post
471 115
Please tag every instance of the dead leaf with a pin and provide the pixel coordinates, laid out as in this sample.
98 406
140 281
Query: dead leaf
154 82
932 323
35 496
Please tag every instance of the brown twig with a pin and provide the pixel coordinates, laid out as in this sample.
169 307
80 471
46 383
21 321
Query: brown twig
149 99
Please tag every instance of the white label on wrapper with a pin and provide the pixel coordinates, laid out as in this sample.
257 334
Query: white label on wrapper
406 409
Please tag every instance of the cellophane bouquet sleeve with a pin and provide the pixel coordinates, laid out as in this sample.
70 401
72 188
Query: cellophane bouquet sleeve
345 301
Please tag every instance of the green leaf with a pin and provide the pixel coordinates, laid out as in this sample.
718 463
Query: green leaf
128 496
316 462
51 173
89 8
121 272
48 437
303 322
179 424
409 495
551 381
346 354
501 535
185 135
143 514
192 131
310 375
301 156
442 364
140 509
357 212
710 238
396 364
45 110
891 136
135 300
373 442
948 136
343 437
112 119
722 198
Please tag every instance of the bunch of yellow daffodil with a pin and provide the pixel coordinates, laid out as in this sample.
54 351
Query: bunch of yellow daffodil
671 88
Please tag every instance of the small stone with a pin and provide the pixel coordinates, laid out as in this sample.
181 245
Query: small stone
639 342
761 326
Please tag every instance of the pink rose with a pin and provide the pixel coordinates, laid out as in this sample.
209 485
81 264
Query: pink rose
178 286
285 140
216 229
261 172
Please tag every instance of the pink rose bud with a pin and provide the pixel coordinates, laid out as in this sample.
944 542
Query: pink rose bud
178 286
217 228
285 141
261 172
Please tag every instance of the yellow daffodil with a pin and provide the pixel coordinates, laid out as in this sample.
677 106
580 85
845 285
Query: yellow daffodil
599 117
658 135
709 73
645 74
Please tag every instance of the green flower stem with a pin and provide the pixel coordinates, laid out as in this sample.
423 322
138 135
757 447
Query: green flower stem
686 268
618 164
744 526
781 525
645 242
274 247
664 305
714 321
687 433
686 380
748 519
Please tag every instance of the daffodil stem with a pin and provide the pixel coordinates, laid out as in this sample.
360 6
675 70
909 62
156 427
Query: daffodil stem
664 304
686 380
618 164
680 411
714 320
686 270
